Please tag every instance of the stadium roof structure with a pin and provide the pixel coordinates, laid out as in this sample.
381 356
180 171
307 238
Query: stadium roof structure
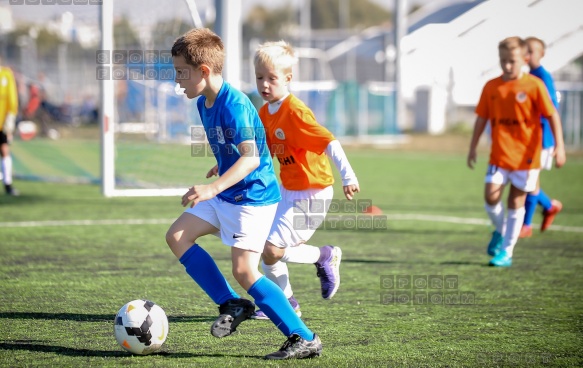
452 44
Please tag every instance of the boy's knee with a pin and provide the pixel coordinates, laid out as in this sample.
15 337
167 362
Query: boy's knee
492 201
170 239
272 254
174 239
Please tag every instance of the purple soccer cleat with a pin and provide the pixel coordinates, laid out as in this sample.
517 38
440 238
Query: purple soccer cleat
328 270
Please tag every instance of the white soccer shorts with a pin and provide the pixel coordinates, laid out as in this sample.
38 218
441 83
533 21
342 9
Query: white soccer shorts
299 214
243 227
546 158
524 180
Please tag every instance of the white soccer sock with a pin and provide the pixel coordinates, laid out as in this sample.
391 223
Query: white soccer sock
513 225
7 170
302 253
279 274
496 214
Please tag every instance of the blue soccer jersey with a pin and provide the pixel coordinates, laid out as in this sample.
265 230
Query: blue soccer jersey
542 73
231 120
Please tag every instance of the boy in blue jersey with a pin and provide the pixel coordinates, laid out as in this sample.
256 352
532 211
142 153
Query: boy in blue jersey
536 51
239 206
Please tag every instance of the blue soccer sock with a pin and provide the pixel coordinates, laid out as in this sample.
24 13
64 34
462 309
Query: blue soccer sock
271 300
530 208
544 200
204 271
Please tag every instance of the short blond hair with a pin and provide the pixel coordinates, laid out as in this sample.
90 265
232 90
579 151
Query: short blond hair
511 43
279 55
201 46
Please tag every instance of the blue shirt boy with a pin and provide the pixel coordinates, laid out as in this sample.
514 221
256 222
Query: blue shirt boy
231 120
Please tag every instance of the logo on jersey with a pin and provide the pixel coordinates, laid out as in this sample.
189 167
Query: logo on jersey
520 97
280 134
4 81
286 160
220 135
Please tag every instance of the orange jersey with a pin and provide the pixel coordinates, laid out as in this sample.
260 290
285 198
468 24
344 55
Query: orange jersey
514 109
8 95
298 141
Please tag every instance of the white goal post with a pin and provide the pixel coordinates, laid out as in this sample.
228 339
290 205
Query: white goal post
228 21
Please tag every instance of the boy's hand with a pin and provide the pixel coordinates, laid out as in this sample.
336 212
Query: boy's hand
198 193
560 157
213 172
349 190
472 158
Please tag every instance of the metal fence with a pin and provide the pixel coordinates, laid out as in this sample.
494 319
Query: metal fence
570 109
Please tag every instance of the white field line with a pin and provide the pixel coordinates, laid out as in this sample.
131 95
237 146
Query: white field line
391 217
52 223
470 221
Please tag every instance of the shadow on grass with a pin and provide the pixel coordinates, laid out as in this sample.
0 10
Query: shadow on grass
466 263
31 345
386 261
353 260
21 200
26 345
93 317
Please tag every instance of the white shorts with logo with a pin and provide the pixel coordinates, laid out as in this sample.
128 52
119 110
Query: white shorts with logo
546 158
299 214
524 180
243 227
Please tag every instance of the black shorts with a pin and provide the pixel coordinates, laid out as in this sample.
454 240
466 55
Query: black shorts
3 138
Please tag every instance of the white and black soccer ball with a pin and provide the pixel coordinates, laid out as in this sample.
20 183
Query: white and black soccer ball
141 327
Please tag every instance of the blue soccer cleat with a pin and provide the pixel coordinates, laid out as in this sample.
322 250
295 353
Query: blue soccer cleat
495 244
502 259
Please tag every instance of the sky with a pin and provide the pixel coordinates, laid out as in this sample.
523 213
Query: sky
89 13
388 4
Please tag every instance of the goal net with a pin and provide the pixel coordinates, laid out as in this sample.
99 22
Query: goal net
147 125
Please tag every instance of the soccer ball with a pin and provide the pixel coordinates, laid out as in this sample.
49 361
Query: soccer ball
141 327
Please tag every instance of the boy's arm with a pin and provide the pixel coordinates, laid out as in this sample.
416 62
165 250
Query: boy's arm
248 162
12 110
338 156
479 127
13 96
557 128
349 180
550 85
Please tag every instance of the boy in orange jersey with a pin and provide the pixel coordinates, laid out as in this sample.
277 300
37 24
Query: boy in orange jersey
513 103
303 148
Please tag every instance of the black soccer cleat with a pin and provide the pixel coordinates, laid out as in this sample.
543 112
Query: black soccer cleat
297 348
11 191
232 313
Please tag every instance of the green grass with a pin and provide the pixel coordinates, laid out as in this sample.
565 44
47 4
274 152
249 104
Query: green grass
60 286
62 160
138 164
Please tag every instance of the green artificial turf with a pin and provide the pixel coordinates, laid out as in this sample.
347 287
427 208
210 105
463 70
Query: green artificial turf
71 258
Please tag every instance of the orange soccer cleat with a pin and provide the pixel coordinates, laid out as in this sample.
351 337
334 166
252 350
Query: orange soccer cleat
525 231
549 216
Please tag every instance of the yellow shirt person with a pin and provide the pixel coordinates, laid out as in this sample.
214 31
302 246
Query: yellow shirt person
8 112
